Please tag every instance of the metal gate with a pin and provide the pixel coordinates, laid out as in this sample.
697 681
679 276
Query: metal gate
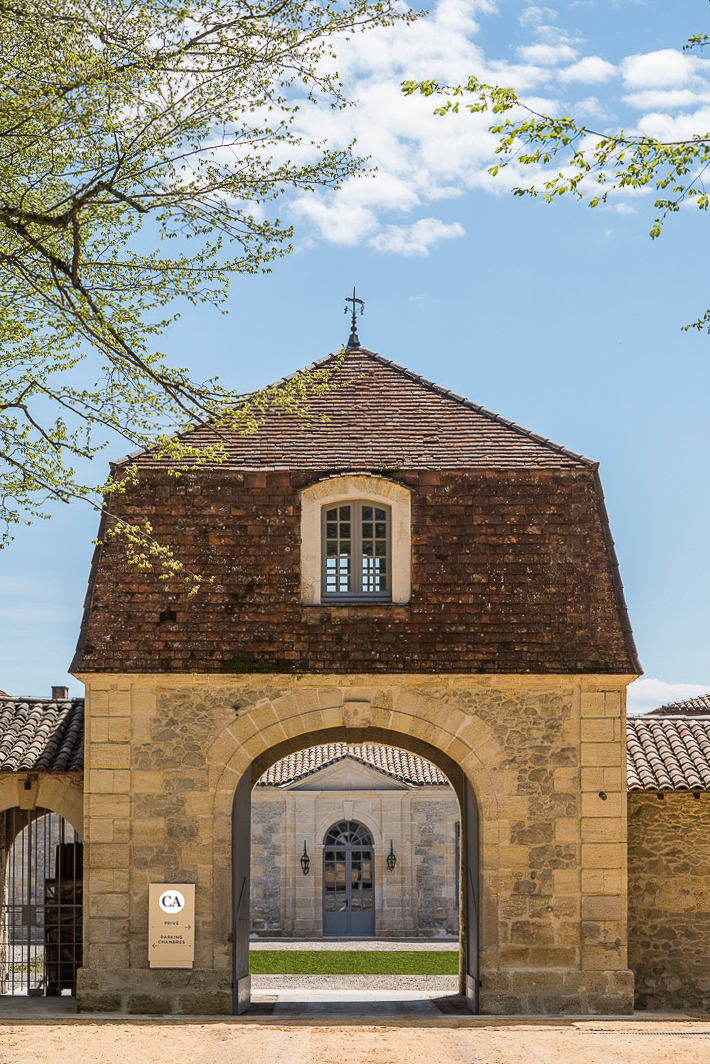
41 891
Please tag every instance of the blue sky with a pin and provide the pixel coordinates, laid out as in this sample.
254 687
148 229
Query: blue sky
564 319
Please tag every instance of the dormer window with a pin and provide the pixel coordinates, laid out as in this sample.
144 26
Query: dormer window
356 550
356 541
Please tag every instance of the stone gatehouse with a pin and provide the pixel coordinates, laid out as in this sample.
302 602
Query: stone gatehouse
403 568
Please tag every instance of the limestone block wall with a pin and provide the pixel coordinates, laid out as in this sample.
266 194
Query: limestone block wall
544 755
669 899
434 822
418 897
268 866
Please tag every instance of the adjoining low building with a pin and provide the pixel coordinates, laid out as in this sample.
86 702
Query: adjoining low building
669 857
379 828
41 823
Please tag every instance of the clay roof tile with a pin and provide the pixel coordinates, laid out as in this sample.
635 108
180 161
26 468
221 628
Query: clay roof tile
668 753
398 764
41 735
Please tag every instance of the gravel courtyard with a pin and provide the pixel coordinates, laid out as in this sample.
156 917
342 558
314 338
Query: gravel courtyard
485 1042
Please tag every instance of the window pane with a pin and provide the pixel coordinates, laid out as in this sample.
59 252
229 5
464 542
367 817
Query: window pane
338 550
367 571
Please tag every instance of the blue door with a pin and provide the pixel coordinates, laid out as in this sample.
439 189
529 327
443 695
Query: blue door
348 880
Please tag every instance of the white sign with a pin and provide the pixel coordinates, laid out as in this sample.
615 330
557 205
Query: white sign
171 925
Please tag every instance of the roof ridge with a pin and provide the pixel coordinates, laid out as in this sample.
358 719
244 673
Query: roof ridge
365 754
411 375
694 699
649 718
34 699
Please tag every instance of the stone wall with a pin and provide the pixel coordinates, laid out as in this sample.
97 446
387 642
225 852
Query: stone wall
669 900
544 755
268 843
434 861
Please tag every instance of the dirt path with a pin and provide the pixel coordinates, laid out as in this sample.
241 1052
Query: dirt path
602 1042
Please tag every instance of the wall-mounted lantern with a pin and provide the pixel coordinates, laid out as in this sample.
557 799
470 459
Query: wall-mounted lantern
305 860
391 858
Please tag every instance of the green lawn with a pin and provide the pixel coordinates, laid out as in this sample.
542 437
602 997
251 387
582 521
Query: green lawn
354 962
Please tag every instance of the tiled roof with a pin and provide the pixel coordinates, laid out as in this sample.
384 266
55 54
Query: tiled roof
41 734
381 415
668 753
698 706
407 768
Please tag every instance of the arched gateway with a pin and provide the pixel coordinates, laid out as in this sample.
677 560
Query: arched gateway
361 721
402 568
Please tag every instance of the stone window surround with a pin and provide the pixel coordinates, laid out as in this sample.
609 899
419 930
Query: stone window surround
350 487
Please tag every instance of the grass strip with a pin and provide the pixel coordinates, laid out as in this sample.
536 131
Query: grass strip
353 962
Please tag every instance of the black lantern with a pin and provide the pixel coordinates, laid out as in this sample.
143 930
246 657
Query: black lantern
305 860
391 858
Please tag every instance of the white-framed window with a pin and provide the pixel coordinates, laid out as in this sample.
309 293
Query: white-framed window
356 550
365 565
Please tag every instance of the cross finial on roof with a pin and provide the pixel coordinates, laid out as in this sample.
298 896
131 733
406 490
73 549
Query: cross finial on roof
353 340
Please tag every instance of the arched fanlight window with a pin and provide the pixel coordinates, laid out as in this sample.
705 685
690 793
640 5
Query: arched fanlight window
348 833
356 550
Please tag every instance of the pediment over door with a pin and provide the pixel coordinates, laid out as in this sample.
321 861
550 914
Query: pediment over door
348 774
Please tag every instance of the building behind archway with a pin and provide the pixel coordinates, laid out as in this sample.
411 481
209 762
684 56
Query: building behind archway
412 815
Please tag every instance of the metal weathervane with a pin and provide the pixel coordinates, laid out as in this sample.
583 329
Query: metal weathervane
354 341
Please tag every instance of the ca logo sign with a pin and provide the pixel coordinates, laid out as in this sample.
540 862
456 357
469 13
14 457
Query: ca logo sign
171 901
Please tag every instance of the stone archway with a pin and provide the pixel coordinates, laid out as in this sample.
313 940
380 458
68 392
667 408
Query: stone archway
40 892
60 793
458 743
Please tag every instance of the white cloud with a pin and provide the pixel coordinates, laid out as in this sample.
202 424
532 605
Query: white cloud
552 45
338 223
668 99
646 693
415 239
422 159
591 107
533 17
547 54
674 127
592 70
666 68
